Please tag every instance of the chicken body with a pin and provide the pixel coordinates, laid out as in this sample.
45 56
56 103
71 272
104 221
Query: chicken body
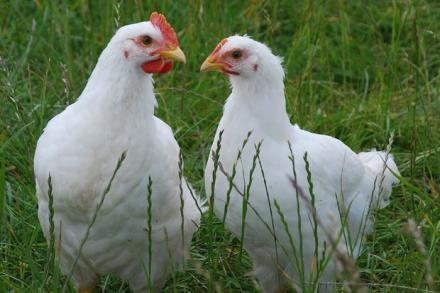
79 150
343 181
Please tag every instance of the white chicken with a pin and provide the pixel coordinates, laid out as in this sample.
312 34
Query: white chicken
343 181
79 150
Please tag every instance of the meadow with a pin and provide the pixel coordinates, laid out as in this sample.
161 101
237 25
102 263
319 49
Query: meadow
356 70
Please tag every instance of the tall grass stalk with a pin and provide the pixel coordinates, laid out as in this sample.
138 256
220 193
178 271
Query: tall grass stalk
384 168
150 231
296 261
231 178
313 279
182 203
300 266
51 250
170 257
412 229
216 160
271 213
344 220
196 201
245 201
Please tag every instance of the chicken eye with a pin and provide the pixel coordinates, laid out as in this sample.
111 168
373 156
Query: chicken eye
147 40
236 54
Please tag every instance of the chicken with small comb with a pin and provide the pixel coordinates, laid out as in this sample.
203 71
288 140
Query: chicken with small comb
270 162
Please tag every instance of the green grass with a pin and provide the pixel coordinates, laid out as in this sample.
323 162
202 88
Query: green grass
356 70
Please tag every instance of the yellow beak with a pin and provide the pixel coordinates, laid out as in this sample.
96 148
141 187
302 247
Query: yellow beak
211 65
175 54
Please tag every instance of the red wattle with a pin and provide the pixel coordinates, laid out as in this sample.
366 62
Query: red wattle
157 66
167 67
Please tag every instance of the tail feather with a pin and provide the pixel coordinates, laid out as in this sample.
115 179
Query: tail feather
385 170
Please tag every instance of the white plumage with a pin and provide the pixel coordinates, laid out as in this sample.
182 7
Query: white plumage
257 104
79 149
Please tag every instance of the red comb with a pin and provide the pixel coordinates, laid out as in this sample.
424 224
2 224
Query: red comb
168 33
219 46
